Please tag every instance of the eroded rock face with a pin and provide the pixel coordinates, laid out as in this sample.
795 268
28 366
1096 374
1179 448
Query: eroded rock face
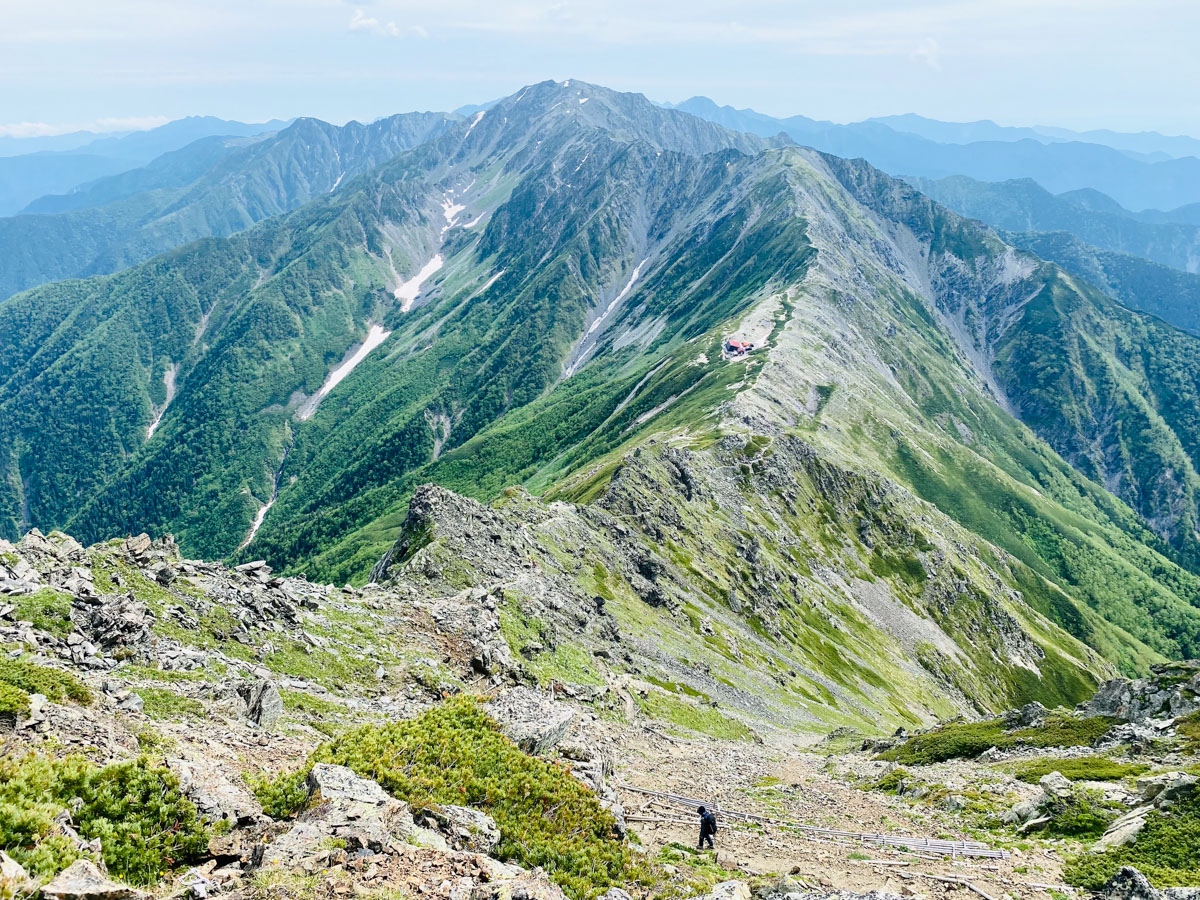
82 880
264 705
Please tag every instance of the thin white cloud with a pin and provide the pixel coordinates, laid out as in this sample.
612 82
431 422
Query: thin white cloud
360 21
929 53
100 126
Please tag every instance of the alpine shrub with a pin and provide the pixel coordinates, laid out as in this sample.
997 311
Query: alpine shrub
1167 851
455 754
145 825
961 740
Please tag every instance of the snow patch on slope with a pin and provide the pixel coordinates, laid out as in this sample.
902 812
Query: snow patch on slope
411 289
587 344
169 381
376 335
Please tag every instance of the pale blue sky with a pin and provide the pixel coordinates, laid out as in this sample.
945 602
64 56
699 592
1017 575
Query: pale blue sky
1100 63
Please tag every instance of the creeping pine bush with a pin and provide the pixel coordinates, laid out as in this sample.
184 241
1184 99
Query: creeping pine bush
891 783
1082 768
455 754
21 677
145 825
961 740
1081 816
1167 851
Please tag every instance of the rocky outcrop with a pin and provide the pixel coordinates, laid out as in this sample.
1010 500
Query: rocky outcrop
1036 812
1154 792
1172 690
206 783
264 705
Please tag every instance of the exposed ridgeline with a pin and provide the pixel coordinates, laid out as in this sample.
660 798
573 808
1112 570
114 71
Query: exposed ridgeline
554 280
213 187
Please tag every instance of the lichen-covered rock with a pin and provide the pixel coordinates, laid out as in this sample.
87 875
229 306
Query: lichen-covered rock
1130 884
1166 787
533 721
466 828
205 782
728 890
82 880
14 880
341 783
533 885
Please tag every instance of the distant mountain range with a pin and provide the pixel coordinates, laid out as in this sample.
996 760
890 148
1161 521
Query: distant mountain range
1148 144
213 186
1135 181
1024 205
25 175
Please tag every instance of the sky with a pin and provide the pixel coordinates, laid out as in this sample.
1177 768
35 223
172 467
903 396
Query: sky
117 64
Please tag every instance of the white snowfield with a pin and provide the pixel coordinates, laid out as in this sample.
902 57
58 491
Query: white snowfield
258 520
584 350
169 381
617 299
375 336
411 289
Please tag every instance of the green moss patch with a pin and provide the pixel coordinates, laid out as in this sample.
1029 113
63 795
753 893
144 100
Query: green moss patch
159 703
21 677
694 717
48 610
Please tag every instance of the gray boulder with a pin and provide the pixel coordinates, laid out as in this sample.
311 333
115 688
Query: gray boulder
1056 786
341 783
203 781
1130 884
533 721
533 885
264 705
82 880
1166 787
354 810
728 890
13 876
1028 716
1124 830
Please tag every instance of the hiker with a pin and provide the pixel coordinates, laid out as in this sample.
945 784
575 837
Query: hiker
708 828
